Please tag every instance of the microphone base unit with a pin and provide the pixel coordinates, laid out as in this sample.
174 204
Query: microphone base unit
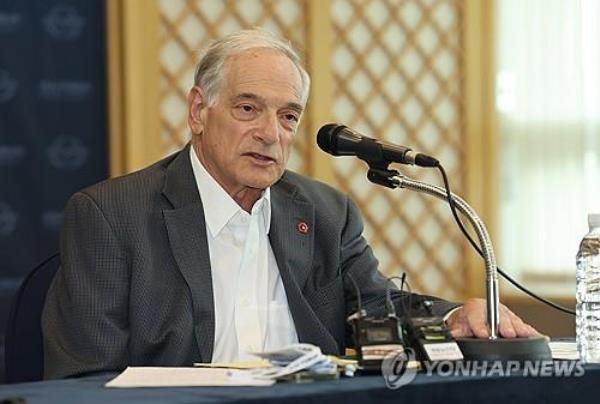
431 339
374 339
505 349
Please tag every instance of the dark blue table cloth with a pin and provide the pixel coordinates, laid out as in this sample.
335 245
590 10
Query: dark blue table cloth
361 389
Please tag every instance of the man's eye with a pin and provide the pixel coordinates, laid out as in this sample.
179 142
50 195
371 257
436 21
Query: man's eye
245 112
291 117
246 108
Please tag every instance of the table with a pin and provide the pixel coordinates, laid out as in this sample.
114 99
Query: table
424 388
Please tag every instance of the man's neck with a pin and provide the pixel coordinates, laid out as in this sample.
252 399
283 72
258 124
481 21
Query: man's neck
247 197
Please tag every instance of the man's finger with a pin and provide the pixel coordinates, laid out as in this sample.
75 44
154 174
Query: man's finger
477 322
521 329
507 329
460 329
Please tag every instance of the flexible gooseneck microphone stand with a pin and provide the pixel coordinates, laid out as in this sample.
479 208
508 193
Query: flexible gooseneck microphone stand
398 180
494 348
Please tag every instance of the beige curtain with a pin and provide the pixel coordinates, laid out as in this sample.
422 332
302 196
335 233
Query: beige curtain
548 93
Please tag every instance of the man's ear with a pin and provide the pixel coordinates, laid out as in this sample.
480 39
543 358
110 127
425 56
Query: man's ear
196 107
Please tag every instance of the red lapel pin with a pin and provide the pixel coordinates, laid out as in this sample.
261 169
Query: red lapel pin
302 227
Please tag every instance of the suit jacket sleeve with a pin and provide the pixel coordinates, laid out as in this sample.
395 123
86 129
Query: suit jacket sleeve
85 320
359 262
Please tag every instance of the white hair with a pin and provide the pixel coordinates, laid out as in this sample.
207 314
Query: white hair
210 69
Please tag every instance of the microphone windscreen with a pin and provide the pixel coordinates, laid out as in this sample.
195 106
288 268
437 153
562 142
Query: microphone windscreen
325 138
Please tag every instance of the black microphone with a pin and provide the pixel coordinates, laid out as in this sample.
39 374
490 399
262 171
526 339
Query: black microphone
340 140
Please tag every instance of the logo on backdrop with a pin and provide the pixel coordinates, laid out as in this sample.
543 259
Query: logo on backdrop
63 22
65 90
8 220
67 153
8 86
9 22
11 155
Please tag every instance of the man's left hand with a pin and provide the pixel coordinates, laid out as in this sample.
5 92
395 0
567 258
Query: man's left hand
470 320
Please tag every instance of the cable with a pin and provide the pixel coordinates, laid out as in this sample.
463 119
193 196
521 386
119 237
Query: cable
478 249
389 305
390 308
359 310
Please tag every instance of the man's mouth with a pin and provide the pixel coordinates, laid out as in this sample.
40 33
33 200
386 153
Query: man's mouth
261 157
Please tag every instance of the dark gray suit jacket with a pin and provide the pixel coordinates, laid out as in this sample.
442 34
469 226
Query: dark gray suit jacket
135 287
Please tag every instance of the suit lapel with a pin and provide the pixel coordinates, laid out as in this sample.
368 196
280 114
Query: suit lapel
292 233
186 229
292 240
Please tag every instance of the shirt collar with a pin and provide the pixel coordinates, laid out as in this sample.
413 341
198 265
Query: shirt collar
219 206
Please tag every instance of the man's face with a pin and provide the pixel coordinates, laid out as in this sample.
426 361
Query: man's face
244 139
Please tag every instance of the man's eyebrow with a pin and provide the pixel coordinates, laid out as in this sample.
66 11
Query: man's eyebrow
295 106
251 96
248 96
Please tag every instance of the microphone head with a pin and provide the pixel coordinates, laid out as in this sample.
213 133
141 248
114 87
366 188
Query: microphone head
325 138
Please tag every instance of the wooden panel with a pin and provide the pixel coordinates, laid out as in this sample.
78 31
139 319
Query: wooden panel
398 72
133 84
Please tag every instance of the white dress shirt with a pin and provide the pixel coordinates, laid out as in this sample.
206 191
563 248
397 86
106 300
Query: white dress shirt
251 307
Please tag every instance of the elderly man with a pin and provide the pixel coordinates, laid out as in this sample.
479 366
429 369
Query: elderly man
217 250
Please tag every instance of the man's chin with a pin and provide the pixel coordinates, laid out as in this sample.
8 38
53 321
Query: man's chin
262 182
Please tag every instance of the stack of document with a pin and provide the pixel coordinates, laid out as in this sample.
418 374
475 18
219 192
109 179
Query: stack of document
293 359
185 377
298 359
565 350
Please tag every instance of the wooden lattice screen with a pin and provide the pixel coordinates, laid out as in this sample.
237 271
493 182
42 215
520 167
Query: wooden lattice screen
398 71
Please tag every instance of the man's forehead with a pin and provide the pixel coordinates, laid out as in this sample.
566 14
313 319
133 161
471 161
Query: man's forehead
260 71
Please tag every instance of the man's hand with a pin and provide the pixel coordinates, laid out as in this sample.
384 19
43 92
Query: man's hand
470 320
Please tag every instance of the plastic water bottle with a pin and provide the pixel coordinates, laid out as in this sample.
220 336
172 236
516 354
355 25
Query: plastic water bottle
588 293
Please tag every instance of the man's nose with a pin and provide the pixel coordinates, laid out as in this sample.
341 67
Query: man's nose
269 129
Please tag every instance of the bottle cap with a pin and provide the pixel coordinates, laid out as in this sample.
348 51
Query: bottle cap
594 220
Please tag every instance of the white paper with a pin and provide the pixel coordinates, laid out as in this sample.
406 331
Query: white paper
443 351
184 377
564 350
